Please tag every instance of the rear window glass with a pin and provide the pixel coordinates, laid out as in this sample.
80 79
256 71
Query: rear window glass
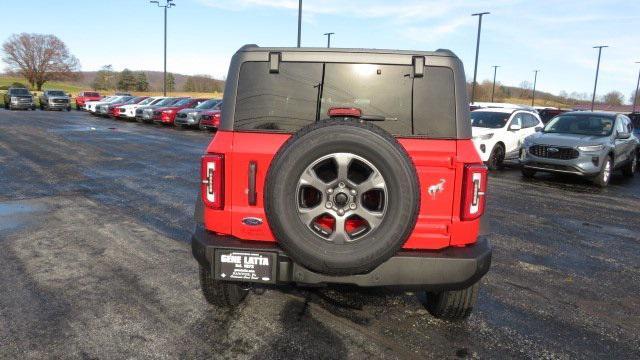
302 93
91 94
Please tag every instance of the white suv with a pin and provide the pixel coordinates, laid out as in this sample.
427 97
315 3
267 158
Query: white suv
498 133
130 110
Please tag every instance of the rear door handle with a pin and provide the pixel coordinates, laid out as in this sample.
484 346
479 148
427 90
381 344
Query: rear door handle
253 196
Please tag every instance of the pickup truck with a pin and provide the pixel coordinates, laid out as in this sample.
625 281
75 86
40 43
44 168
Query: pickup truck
85 96
18 98
55 100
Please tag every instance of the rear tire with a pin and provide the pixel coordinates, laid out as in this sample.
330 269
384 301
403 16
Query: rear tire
452 305
629 170
219 293
496 158
602 179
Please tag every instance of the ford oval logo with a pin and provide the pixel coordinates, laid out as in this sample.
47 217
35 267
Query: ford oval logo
252 221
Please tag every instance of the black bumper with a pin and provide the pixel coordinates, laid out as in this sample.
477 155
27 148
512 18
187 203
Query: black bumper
447 269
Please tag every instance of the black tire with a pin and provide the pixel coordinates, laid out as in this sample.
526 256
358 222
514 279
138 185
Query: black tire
496 158
629 170
219 293
201 127
68 108
41 107
452 305
602 179
528 173
342 136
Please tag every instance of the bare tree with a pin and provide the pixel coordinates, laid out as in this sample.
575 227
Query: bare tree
39 58
613 98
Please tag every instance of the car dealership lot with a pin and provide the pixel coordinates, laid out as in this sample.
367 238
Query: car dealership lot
95 220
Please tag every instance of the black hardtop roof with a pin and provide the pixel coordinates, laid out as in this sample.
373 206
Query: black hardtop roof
256 48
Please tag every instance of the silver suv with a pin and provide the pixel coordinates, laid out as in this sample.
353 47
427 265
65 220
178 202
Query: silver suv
589 144
54 99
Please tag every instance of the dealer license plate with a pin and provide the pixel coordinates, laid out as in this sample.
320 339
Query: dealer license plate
246 266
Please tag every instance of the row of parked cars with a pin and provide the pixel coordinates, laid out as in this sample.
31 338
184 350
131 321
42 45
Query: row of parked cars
199 113
583 143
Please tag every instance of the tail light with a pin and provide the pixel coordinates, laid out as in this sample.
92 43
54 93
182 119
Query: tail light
474 186
212 180
216 119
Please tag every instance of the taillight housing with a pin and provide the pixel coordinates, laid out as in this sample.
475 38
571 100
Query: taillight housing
474 186
212 181
216 119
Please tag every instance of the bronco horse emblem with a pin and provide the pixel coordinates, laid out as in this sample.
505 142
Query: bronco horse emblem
436 188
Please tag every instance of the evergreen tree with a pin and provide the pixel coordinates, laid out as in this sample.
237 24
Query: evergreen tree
104 79
126 80
171 82
142 84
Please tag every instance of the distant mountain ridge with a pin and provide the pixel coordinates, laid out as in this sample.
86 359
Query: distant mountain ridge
155 79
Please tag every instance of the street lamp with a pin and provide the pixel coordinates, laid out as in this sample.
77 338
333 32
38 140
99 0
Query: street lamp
595 85
535 81
168 4
328 35
495 70
635 95
299 21
475 68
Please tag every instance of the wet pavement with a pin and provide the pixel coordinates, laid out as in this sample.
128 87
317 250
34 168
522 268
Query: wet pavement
95 262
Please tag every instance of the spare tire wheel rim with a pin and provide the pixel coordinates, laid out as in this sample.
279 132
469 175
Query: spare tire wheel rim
341 197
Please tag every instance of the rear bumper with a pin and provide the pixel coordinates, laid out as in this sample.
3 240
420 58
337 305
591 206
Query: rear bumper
448 269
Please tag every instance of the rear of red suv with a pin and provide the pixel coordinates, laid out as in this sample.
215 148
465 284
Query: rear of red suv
343 166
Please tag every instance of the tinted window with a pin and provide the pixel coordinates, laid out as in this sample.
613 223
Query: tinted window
489 119
434 108
621 126
285 101
580 124
91 94
288 100
55 93
377 90
518 119
19 91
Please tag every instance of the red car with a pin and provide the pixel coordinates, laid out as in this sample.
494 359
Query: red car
114 109
325 171
167 115
86 96
210 119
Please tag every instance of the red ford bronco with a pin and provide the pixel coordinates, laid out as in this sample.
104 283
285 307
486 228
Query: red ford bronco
343 166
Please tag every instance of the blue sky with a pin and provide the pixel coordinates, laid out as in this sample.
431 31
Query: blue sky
554 36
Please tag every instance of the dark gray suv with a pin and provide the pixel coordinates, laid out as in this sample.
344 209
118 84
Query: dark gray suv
589 144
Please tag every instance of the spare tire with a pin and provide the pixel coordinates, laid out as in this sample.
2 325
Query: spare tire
342 196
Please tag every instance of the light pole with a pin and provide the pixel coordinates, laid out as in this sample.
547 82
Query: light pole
168 4
635 95
493 90
535 81
328 35
475 68
299 21
595 85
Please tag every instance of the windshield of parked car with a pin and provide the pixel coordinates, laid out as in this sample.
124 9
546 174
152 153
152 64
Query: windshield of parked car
147 101
209 104
56 93
581 124
182 102
20 91
488 119
135 100
167 101
91 94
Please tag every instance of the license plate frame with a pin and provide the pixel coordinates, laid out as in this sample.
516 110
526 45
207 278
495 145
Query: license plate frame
245 266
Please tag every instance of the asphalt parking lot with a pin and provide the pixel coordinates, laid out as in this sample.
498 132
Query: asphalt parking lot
95 262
